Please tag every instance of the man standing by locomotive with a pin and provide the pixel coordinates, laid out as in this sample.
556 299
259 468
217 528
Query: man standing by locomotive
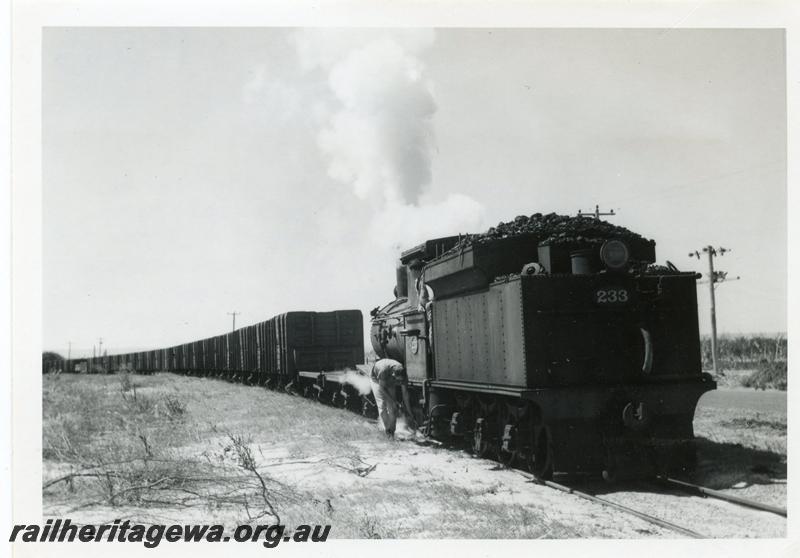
386 375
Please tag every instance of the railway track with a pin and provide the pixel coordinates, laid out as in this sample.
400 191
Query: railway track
674 484
621 507
710 493
661 482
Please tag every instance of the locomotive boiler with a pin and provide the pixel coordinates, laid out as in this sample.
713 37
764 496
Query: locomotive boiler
553 342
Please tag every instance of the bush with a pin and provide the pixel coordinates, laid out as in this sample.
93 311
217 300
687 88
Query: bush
742 352
174 406
770 375
125 383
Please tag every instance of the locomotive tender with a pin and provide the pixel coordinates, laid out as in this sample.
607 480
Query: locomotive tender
568 355
565 351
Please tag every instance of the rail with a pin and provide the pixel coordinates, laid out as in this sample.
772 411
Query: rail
702 490
641 515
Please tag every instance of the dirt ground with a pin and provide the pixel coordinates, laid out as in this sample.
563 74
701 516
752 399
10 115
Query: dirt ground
170 448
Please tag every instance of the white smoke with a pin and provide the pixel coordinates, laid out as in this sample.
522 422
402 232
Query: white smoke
402 226
380 140
379 137
359 381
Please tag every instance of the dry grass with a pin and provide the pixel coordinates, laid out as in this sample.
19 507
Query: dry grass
743 451
150 442
158 447
750 429
169 448
769 375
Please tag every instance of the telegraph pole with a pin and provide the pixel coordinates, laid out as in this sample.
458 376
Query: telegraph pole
714 277
69 350
100 348
234 314
597 214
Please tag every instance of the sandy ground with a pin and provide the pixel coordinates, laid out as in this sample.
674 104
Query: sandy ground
334 467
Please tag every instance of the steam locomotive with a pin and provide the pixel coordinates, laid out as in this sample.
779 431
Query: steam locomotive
574 356
566 353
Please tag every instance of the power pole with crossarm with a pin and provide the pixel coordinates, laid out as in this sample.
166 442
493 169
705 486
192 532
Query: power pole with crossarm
714 277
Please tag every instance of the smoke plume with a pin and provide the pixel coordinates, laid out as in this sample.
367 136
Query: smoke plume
358 381
378 136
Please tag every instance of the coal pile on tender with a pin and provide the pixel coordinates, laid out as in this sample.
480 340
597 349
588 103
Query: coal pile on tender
554 241
554 229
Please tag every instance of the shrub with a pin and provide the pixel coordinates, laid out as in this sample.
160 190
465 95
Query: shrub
770 375
738 352
125 383
138 403
174 406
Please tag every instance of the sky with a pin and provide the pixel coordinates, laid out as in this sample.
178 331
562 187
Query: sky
189 173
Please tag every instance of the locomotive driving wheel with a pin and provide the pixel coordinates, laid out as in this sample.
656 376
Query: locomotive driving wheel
508 435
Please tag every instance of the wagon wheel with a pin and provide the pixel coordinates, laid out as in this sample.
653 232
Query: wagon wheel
540 461
480 441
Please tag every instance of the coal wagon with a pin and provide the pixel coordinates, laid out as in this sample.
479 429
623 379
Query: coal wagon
273 352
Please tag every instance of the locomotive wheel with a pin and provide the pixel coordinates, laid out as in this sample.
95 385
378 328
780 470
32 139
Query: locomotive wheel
480 447
540 461
510 415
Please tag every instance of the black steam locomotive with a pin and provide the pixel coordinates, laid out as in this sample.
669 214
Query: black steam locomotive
549 341
567 351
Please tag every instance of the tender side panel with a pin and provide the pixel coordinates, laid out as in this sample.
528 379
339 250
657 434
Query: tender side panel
479 337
